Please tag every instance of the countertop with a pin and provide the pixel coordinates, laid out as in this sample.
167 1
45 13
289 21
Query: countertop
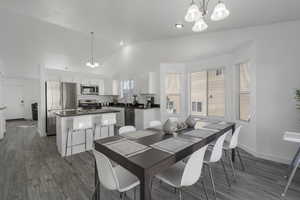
133 107
72 113
2 108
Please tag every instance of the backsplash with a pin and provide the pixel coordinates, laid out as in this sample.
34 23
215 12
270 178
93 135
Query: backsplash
142 99
100 98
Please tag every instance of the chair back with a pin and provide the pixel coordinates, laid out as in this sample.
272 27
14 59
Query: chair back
173 119
126 129
217 150
155 123
193 168
234 138
82 122
108 119
106 174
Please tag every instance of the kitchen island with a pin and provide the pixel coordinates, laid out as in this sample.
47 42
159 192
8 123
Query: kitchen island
64 123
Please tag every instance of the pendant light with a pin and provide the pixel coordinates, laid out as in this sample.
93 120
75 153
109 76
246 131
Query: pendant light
91 63
197 13
200 25
220 12
193 13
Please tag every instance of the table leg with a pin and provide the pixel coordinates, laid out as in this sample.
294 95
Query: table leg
233 150
291 177
291 166
145 188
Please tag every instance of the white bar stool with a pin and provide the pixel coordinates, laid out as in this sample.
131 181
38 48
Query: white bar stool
126 129
292 137
155 124
105 120
80 123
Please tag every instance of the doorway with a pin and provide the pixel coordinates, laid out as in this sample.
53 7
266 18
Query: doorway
14 100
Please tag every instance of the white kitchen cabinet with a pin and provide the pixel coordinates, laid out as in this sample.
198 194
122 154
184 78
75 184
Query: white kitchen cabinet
115 87
146 83
120 116
111 87
144 116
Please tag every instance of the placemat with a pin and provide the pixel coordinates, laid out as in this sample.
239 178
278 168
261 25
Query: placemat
173 145
139 134
207 120
216 126
200 133
126 147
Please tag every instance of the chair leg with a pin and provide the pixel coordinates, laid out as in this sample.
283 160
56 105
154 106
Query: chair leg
231 164
180 195
71 147
204 188
226 175
134 194
240 158
85 140
212 181
67 141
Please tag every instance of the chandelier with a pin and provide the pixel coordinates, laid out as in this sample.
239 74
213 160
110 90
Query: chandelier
197 14
91 63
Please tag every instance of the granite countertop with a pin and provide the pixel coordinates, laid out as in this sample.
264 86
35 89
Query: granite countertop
140 106
2 107
72 113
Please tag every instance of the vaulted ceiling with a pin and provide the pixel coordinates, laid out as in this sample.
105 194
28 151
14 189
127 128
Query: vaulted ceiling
145 20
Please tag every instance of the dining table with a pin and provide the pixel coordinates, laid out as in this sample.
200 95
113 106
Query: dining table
159 154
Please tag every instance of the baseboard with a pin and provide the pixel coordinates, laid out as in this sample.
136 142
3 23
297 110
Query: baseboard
274 158
264 156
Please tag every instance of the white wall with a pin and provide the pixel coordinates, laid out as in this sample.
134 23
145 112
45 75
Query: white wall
27 43
30 88
277 75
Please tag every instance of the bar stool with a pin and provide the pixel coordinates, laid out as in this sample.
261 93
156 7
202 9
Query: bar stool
126 129
105 120
155 124
80 123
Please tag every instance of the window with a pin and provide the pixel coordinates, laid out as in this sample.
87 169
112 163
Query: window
244 91
199 93
208 93
173 93
127 88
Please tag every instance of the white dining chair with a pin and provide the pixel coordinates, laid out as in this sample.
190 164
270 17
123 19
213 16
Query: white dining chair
126 129
114 178
185 174
155 123
214 155
232 145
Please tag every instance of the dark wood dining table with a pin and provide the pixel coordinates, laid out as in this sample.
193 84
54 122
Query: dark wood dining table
149 163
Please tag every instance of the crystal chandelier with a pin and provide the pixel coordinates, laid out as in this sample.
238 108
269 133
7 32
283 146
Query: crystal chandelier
91 63
197 14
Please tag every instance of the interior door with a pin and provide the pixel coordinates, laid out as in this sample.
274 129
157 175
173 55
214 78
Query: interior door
14 100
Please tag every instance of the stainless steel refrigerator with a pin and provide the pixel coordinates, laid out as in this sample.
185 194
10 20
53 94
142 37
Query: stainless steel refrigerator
59 96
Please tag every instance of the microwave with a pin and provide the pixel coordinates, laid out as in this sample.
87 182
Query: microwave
89 89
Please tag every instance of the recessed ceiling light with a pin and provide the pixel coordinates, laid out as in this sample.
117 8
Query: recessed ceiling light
179 26
122 43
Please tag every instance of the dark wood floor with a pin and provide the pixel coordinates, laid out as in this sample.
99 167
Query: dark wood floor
31 168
